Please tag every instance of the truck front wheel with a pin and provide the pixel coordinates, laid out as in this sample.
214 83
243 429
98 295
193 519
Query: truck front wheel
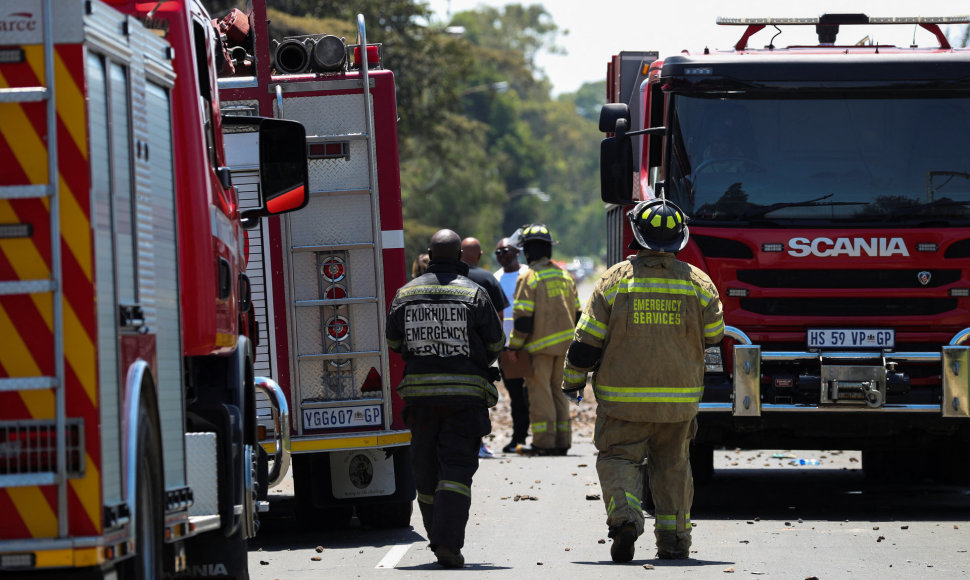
149 516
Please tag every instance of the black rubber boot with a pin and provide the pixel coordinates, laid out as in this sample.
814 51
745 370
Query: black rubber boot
624 543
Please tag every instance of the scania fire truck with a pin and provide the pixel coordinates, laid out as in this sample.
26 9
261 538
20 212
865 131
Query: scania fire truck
828 186
128 434
324 277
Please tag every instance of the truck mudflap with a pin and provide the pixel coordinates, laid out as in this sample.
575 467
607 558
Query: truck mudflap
849 381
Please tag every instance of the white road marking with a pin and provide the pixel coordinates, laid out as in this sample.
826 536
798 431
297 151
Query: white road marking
393 556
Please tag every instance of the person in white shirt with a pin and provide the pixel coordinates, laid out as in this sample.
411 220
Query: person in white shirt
508 256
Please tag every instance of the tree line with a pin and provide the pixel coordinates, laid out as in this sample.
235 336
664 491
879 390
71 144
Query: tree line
484 146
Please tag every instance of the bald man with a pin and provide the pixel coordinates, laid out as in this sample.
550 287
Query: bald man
445 328
471 254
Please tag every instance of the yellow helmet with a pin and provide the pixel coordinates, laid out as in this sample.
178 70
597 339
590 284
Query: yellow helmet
534 233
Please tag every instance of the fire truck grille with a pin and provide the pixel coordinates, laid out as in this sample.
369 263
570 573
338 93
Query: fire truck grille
29 447
815 307
847 278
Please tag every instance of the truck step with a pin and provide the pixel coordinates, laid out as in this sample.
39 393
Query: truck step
14 287
336 138
333 247
27 384
335 301
24 95
28 479
338 355
336 192
24 191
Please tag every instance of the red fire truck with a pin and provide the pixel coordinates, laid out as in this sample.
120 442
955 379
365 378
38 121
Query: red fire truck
128 435
829 190
324 277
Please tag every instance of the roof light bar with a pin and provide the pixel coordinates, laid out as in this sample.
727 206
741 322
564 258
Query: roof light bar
846 19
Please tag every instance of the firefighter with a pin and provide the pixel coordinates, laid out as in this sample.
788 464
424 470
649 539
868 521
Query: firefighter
544 312
445 328
643 334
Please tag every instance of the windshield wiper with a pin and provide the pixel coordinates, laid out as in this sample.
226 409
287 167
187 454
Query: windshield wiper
807 203
896 213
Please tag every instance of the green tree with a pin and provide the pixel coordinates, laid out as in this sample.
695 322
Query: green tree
482 144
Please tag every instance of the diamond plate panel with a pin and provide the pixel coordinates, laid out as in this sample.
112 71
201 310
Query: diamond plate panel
200 455
328 114
344 173
309 333
318 384
364 328
304 266
363 282
331 220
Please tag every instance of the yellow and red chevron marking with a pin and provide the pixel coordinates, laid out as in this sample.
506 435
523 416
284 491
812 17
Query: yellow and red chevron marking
26 321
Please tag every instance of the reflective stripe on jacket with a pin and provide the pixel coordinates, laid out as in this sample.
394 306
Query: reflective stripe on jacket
649 319
448 334
547 294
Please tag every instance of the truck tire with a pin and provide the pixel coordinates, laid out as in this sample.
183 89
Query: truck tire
309 516
895 464
386 515
149 513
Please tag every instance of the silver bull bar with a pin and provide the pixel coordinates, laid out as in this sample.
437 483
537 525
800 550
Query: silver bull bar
861 381
281 428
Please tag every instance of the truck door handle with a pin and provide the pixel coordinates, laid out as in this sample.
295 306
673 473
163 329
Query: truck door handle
131 316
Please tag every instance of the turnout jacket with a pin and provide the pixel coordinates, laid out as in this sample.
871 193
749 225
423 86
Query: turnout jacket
448 334
643 334
544 309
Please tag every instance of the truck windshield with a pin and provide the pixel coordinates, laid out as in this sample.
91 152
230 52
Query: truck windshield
870 159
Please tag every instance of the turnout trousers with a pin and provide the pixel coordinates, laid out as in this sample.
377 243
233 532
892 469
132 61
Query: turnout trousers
519 403
548 406
623 446
444 456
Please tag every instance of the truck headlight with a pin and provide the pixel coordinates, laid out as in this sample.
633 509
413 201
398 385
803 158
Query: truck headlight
712 360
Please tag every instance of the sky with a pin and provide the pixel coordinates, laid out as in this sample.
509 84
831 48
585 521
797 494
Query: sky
597 30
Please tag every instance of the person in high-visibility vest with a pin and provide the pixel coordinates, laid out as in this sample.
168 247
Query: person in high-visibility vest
643 334
448 334
545 309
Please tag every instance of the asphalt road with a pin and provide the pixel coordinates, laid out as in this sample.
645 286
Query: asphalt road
763 515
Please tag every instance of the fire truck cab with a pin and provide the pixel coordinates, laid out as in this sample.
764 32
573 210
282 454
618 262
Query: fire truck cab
828 187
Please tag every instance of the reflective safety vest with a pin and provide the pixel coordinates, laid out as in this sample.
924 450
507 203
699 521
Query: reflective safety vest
419 388
446 330
547 294
644 332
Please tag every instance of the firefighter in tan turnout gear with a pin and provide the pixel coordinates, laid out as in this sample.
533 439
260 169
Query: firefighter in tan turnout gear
544 311
448 334
643 334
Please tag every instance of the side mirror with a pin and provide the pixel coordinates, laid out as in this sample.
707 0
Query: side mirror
616 170
611 113
284 179
283 166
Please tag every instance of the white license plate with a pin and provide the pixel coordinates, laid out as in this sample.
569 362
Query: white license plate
340 417
851 338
